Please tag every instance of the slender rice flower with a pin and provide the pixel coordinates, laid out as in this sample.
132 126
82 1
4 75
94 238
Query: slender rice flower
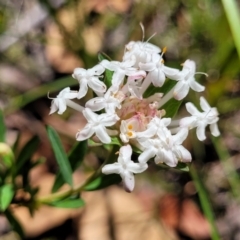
125 167
200 120
89 78
135 109
97 124
62 100
186 81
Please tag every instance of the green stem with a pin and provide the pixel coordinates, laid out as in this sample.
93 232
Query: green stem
231 11
79 188
205 203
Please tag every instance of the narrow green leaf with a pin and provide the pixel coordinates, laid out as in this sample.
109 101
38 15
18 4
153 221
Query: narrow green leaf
103 181
60 155
108 78
168 85
6 195
171 107
14 223
69 203
2 127
26 153
75 156
6 155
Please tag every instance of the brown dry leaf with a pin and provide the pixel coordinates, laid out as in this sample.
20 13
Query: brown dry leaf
184 215
130 219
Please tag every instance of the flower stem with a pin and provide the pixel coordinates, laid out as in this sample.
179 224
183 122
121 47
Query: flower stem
205 203
166 98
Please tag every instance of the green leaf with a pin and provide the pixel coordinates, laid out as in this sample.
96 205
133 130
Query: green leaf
69 203
6 195
14 223
168 85
26 153
102 181
171 107
6 156
108 78
2 127
60 155
75 157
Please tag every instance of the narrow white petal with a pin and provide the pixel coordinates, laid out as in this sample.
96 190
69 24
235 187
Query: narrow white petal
146 155
111 168
128 181
96 70
102 134
147 66
204 104
95 84
118 77
180 136
78 73
96 104
158 77
113 65
137 167
189 122
126 152
184 154
61 106
90 115
196 86
54 106
108 119
83 88
166 156
171 73
201 132
192 109
85 133
214 130
181 90
191 65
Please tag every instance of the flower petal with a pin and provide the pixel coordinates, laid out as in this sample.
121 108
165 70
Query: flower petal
180 136
95 84
196 86
101 133
112 168
192 109
204 104
185 155
96 104
189 122
181 90
137 167
85 133
128 181
96 70
126 153
146 155
214 129
158 77
83 88
201 132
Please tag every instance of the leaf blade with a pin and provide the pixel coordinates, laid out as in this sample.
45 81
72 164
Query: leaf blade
60 155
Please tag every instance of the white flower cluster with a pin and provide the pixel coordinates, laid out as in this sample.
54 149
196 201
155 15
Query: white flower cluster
122 111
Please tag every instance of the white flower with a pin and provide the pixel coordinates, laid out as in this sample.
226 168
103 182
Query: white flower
200 120
157 71
166 148
154 127
89 78
121 69
125 167
142 51
97 124
61 101
109 101
186 81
